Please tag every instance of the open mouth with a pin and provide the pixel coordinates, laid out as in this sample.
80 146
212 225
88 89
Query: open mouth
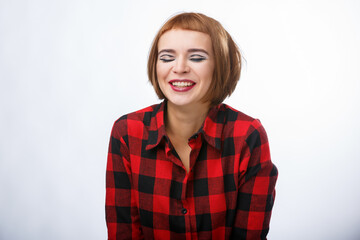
182 84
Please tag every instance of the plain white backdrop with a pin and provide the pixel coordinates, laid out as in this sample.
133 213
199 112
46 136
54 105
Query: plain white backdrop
69 69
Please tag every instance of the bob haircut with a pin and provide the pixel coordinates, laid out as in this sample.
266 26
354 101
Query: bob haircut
226 55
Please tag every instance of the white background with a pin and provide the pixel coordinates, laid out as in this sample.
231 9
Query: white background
70 68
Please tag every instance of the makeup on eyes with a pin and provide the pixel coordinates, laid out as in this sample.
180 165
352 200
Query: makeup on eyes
166 58
197 58
193 57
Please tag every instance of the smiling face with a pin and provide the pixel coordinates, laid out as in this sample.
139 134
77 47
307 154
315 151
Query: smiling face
185 66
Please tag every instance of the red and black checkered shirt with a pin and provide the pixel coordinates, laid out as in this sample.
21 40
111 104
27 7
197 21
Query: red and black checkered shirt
228 193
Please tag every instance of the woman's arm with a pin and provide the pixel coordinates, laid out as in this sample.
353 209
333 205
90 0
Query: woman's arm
256 192
122 217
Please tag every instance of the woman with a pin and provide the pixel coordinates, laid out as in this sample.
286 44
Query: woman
190 167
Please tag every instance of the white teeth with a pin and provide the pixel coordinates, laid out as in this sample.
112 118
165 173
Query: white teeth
182 84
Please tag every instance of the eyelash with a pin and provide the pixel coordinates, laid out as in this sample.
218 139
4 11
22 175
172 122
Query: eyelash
166 60
198 59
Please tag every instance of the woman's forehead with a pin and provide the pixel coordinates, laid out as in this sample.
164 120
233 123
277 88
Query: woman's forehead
184 39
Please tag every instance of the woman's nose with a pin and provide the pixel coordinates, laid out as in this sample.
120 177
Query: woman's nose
181 66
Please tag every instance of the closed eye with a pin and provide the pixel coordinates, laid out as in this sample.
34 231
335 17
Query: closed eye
197 58
166 58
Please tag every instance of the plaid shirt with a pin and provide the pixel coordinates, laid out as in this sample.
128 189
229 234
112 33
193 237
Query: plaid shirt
228 193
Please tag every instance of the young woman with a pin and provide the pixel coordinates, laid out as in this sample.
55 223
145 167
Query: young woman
190 167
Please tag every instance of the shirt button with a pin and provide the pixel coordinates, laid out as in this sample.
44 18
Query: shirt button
183 211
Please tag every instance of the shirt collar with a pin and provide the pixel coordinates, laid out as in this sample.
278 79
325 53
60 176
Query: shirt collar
211 129
157 126
213 125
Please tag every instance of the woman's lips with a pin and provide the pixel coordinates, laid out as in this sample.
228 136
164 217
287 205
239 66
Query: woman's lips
181 85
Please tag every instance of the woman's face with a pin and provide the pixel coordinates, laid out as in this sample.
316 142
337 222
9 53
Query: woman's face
185 66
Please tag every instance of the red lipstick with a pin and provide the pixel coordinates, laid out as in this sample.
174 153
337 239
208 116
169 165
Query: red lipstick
181 85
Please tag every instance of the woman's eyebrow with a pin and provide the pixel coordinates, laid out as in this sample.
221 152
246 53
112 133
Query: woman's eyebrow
167 51
198 50
191 50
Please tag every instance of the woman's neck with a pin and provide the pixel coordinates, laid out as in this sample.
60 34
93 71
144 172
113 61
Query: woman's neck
183 121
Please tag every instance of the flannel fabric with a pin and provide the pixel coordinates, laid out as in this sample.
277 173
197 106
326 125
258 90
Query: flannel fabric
228 193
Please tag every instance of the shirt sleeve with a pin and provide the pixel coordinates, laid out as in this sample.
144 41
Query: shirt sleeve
122 217
256 191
